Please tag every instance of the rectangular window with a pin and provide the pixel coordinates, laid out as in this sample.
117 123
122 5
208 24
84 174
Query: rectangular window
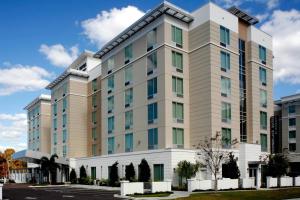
94 134
55 124
292 134
93 173
177 61
94 100
94 149
292 147
64 151
128 97
152 113
292 109
177 86
177 36
262 54
128 53
263 76
64 136
94 85
110 84
152 88
65 88
158 172
65 104
292 122
263 98
55 109
226 138
110 124
111 145
151 39
110 104
263 120
225 86
110 64
178 138
264 142
226 112
225 61
152 138
128 119
224 36
94 117
128 75
178 115
129 142
151 63
54 138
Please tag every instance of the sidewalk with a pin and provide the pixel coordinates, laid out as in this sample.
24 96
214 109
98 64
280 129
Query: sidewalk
95 187
175 195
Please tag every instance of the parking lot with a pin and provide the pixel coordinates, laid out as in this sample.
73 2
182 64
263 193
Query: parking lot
20 192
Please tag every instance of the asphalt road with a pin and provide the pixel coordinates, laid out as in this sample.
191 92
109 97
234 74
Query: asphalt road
22 191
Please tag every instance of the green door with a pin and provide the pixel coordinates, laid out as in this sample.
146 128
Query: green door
158 172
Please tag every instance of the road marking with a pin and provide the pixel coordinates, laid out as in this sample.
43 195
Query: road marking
30 198
68 196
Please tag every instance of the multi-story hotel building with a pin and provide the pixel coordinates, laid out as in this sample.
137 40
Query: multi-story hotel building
165 84
285 131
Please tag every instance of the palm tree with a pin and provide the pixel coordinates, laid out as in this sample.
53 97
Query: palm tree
49 166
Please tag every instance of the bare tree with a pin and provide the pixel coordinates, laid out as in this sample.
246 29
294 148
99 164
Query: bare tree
214 151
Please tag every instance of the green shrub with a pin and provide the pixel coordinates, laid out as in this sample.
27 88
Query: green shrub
73 176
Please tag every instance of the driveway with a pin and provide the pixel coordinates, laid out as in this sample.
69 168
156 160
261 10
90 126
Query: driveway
22 191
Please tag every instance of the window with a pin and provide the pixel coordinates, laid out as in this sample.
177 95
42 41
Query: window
292 134
263 76
110 65
110 84
225 86
152 138
94 149
94 134
177 86
128 97
263 98
64 104
152 88
151 63
292 147
264 142
111 145
263 120
65 88
152 113
128 53
158 172
93 173
64 136
225 61
55 109
178 138
94 100
151 39
292 109
226 138
262 54
129 142
177 61
292 122
54 138
177 36
94 117
55 124
226 112
128 75
94 85
177 112
128 119
110 124
224 36
110 104
64 151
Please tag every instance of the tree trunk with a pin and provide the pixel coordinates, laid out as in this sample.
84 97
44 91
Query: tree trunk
216 183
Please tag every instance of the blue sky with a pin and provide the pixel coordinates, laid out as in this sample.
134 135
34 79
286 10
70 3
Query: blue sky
38 39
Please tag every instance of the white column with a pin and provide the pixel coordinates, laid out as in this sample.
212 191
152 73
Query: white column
1 185
258 177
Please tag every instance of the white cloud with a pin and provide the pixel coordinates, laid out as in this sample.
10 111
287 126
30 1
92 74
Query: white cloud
284 26
262 17
229 3
18 78
58 55
271 4
108 24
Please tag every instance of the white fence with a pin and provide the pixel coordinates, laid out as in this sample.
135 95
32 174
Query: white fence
1 191
297 181
286 181
271 182
131 188
227 183
196 184
161 186
247 183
